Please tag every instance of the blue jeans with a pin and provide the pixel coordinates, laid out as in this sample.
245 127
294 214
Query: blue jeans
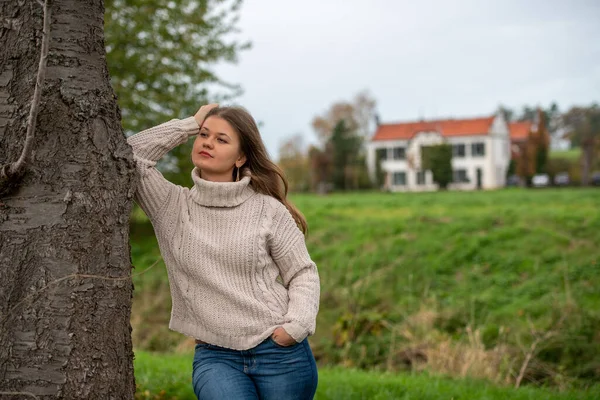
268 371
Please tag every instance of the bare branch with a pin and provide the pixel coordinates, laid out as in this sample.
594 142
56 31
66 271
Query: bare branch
16 168
31 122
528 358
532 348
20 394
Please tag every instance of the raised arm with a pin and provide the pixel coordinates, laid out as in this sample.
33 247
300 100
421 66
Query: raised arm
152 144
153 190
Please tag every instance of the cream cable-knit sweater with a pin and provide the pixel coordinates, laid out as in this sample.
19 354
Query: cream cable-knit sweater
237 263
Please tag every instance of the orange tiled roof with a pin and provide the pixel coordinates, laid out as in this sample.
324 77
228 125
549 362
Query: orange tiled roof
447 127
519 130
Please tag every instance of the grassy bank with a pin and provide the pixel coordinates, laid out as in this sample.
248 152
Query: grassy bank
571 154
168 377
494 285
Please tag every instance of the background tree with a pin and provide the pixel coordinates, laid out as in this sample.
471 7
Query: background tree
533 152
438 159
325 124
65 289
541 159
346 151
528 113
346 146
294 161
320 168
583 125
508 113
364 114
380 173
161 55
541 139
357 174
358 115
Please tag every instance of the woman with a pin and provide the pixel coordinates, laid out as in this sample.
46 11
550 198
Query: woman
242 281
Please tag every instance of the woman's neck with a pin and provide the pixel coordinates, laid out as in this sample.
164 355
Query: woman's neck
212 177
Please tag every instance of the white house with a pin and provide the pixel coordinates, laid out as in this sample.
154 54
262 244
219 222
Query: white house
480 147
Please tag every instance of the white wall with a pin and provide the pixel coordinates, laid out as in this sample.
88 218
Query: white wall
389 145
472 164
500 138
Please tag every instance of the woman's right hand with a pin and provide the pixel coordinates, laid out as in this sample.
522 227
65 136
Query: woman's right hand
201 114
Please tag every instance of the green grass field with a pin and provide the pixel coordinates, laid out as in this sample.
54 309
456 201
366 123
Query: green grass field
486 285
169 377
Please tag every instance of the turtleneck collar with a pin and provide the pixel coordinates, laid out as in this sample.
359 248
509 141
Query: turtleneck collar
221 194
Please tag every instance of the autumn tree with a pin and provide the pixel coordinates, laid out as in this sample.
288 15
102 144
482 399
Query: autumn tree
67 186
533 151
364 114
320 168
343 131
358 115
323 125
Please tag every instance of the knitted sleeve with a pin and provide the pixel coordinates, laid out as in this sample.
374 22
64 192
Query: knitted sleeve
149 146
299 274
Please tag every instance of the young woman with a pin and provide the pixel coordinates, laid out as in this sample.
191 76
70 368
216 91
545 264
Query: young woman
242 281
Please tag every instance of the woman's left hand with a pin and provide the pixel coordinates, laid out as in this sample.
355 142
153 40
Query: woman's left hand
201 113
282 338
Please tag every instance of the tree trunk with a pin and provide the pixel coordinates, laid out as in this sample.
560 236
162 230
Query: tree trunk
65 287
587 151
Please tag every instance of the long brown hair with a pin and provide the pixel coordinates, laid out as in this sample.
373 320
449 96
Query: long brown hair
267 177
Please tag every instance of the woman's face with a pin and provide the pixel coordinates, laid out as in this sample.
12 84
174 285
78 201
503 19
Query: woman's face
217 150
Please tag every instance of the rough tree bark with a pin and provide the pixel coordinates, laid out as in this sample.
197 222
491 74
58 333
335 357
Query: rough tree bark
64 327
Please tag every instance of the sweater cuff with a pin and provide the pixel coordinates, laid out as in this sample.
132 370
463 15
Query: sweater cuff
190 126
295 330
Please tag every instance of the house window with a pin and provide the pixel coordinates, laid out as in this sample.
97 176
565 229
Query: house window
460 176
420 177
399 178
399 153
478 149
458 150
382 154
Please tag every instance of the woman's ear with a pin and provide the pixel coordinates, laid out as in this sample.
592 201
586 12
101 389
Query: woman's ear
240 161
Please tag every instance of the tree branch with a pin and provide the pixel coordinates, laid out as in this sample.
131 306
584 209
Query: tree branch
20 394
15 169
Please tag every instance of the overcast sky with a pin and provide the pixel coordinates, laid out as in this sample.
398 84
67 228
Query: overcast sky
418 59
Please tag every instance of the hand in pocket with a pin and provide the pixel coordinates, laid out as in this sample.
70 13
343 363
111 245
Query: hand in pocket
282 338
